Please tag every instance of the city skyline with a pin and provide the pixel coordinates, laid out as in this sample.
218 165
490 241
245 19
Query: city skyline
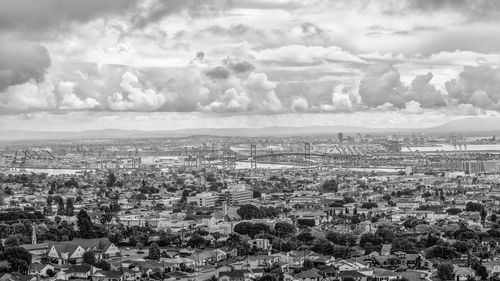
160 65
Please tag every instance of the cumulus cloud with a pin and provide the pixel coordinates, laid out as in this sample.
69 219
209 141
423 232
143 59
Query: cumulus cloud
28 96
380 85
479 86
341 100
21 62
69 100
231 101
425 93
413 107
300 104
136 98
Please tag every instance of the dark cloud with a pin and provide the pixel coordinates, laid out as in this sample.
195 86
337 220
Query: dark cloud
161 9
218 72
21 62
479 86
471 10
241 67
29 16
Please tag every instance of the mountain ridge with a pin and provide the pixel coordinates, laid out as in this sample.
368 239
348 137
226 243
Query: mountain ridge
471 124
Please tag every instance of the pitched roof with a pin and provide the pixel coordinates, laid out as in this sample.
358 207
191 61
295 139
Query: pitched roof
311 273
350 273
234 273
95 244
114 274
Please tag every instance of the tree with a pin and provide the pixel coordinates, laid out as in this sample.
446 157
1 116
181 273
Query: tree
284 229
102 264
330 185
49 200
305 237
154 252
212 278
251 229
12 241
60 205
197 241
307 264
454 211
483 214
50 272
69 207
248 212
85 225
369 205
111 180
473 207
493 217
89 257
18 258
480 269
445 271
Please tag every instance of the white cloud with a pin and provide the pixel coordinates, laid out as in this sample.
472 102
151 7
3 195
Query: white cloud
299 104
305 54
28 96
232 101
137 98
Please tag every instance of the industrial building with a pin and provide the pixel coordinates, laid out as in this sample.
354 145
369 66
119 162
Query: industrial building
236 195
205 199
491 167
473 167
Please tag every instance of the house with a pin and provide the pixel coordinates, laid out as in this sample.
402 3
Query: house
71 252
82 271
348 265
386 260
463 273
352 274
386 249
308 275
108 275
412 260
260 244
235 275
36 250
493 267
5 277
102 247
386 275
260 261
41 269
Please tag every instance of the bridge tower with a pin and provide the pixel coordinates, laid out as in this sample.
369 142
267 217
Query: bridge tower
253 156
307 153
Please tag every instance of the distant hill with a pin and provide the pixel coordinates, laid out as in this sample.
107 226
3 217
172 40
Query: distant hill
487 125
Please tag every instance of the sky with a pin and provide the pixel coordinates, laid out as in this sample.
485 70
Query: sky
172 64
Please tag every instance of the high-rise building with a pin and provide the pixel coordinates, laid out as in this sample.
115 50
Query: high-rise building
341 137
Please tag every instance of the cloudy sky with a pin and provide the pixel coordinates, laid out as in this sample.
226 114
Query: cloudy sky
171 64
